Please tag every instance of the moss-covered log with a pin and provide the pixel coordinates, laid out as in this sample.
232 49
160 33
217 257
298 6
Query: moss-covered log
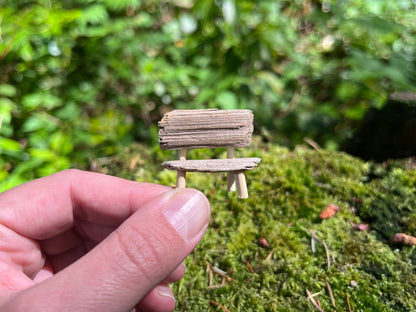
273 247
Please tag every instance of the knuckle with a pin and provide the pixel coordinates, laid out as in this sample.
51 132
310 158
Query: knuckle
143 252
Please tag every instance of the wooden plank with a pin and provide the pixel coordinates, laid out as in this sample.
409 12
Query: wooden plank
205 128
213 165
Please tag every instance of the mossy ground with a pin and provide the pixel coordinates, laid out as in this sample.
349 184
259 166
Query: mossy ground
288 190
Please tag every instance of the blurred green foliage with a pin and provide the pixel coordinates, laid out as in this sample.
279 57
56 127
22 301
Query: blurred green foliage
81 79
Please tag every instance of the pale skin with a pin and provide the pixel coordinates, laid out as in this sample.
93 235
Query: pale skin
80 241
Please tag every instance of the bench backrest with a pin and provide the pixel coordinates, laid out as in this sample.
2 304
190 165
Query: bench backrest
205 128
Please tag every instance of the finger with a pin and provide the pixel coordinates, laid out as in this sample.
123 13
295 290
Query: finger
45 273
42 208
61 242
159 299
130 262
61 261
20 252
69 239
176 275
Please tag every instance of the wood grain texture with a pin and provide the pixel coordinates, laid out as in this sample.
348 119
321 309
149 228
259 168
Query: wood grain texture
205 128
213 165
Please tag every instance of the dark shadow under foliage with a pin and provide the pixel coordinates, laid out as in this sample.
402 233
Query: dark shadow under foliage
385 133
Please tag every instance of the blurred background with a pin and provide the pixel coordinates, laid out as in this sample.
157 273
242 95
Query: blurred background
84 79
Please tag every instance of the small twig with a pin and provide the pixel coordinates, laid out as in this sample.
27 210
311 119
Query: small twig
1 121
219 305
221 273
249 266
210 274
328 256
310 297
312 143
134 162
348 302
223 283
331 295
313 244
269 256
319 302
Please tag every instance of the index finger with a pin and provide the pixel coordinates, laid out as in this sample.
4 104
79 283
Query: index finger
42 208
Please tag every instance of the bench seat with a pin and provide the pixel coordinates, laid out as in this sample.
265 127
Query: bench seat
213 165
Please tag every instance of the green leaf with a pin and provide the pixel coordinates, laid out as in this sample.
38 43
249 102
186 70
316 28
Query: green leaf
70 111
7 90
202 8
347 90
39 121
6 106
42 154
60 143
356 112
273 81
26 52
122 4
227 100
43 100
94 15
9 145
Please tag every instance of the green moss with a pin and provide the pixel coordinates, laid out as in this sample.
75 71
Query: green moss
287 192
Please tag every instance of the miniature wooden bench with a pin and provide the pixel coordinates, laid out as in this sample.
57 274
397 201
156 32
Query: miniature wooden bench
209 128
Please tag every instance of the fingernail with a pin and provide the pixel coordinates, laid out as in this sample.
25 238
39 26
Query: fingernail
164 291
188 211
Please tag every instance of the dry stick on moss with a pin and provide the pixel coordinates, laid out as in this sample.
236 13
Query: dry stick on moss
319 302
348 302
328 257
209 270
250 268
221 273
310 297
331 294
269 256
219 305
225 278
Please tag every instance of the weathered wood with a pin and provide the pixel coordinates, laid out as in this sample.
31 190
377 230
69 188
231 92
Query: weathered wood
184 129
241 185
205 128
230 175
213 165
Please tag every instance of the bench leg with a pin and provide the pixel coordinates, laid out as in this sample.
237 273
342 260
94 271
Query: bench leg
241 185
181 179
230 175
181 175
231 181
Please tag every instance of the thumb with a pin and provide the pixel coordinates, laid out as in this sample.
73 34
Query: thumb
130 262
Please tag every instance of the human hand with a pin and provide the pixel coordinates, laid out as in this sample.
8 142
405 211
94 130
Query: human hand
81 241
